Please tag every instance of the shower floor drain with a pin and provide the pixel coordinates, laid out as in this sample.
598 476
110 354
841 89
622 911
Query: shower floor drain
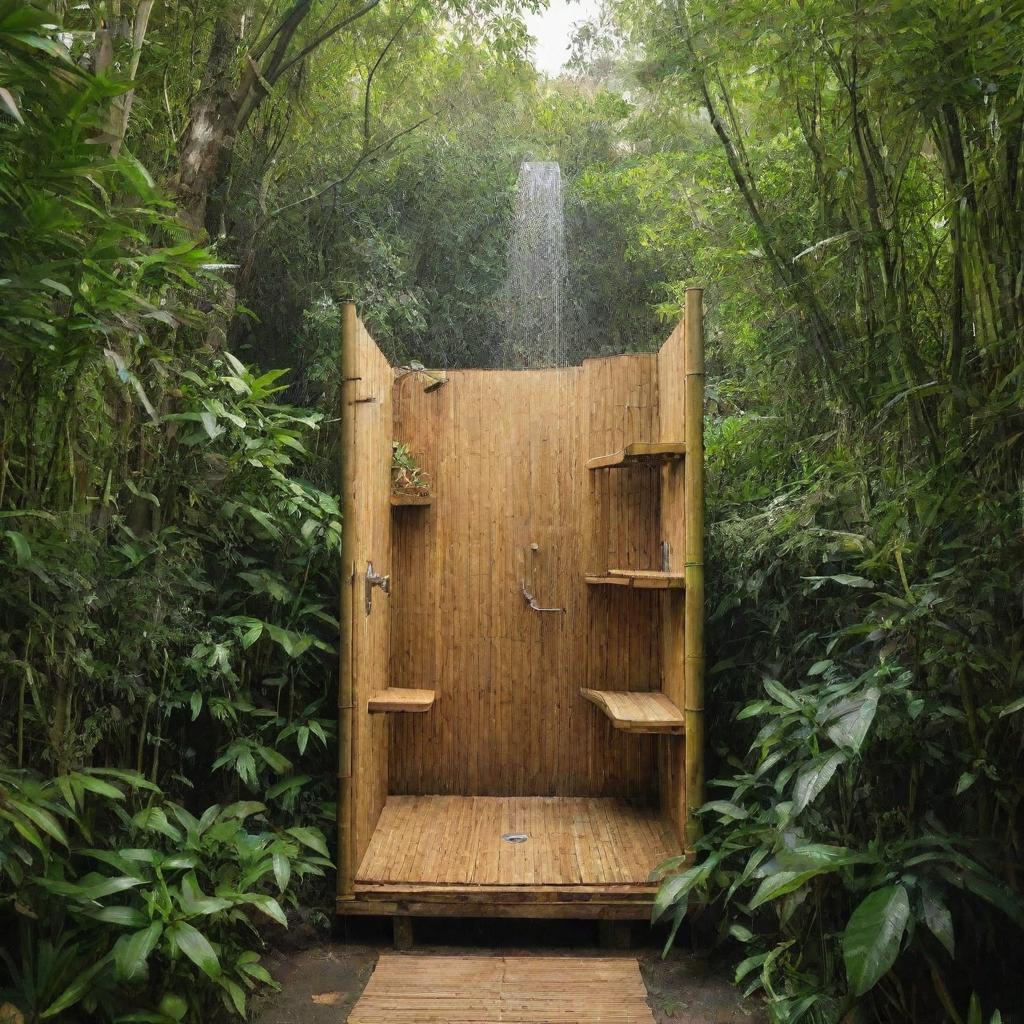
514 837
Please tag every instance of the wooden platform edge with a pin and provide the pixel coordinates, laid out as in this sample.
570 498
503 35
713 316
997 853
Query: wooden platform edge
493 906
397 699
644 579
640 452
672 721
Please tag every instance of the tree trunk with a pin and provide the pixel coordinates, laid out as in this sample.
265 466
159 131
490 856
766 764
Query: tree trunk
204 158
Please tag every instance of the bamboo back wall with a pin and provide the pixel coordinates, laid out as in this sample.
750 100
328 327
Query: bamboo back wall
513 503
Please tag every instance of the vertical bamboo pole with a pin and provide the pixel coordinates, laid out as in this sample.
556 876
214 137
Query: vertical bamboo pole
693 635
346 443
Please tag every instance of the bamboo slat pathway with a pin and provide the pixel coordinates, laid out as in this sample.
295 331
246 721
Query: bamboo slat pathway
407 989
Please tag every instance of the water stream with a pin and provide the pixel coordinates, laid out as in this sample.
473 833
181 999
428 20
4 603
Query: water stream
537 328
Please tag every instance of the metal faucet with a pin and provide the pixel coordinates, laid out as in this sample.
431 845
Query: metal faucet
374 579
532 601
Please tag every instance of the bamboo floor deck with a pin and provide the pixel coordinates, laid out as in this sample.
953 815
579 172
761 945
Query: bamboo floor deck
418 989
570 841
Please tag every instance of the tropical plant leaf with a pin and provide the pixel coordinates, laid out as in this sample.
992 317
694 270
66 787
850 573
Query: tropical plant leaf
812 779
131 952
871 941
196 947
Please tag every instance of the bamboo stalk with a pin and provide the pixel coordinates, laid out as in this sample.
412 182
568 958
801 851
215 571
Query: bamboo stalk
346 423
693 636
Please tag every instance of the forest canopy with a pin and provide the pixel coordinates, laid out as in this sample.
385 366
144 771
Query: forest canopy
187 192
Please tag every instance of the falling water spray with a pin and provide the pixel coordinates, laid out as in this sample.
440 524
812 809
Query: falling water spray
537 328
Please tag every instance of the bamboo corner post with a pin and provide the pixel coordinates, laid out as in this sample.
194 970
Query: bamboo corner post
346 840
693 637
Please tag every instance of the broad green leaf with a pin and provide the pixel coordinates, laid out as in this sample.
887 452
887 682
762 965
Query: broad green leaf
92 886
257 971
845 579
287 785
132 951
40 817
311 837
177 861
726 808
129 917
780 694
97 786
677 919
79 988
813 778
195 902
154 819
937 917
22 550
852 719
748 965
964 783
268 905
242 809
1012 708
196 947
871 941
782 883
275 760
265 521
10 105
282 870
673 889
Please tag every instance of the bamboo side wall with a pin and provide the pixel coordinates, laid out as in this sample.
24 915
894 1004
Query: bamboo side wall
672 427
514 503
366 429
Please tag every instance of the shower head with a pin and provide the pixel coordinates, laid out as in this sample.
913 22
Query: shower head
433 380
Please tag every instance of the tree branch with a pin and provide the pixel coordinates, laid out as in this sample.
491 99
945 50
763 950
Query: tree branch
373 70
363 158
360 12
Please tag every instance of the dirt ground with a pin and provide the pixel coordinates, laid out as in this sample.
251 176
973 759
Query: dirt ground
321 983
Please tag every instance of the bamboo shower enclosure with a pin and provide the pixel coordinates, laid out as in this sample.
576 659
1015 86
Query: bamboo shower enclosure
521 687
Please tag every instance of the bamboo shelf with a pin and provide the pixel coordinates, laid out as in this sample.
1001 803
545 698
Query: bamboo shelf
410 500
396 698
640 453
638 712
639 579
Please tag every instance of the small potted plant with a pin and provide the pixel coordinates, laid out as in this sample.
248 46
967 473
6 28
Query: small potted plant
407 476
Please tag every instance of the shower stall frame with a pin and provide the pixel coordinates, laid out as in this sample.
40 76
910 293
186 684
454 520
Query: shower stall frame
521 690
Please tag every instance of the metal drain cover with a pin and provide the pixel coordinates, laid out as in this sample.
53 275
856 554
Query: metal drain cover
515 837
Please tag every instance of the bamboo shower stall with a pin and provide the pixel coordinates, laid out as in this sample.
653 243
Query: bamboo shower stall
521 684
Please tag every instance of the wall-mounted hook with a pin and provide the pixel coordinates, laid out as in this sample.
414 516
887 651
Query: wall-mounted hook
374 579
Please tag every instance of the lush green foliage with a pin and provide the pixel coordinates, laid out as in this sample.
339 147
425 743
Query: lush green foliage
152 909
167 614
856 201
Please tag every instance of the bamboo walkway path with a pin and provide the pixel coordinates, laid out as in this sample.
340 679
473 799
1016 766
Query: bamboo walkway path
430 989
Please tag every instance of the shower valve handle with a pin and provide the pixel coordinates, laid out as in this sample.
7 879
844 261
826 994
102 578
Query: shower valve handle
531 601
374 579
